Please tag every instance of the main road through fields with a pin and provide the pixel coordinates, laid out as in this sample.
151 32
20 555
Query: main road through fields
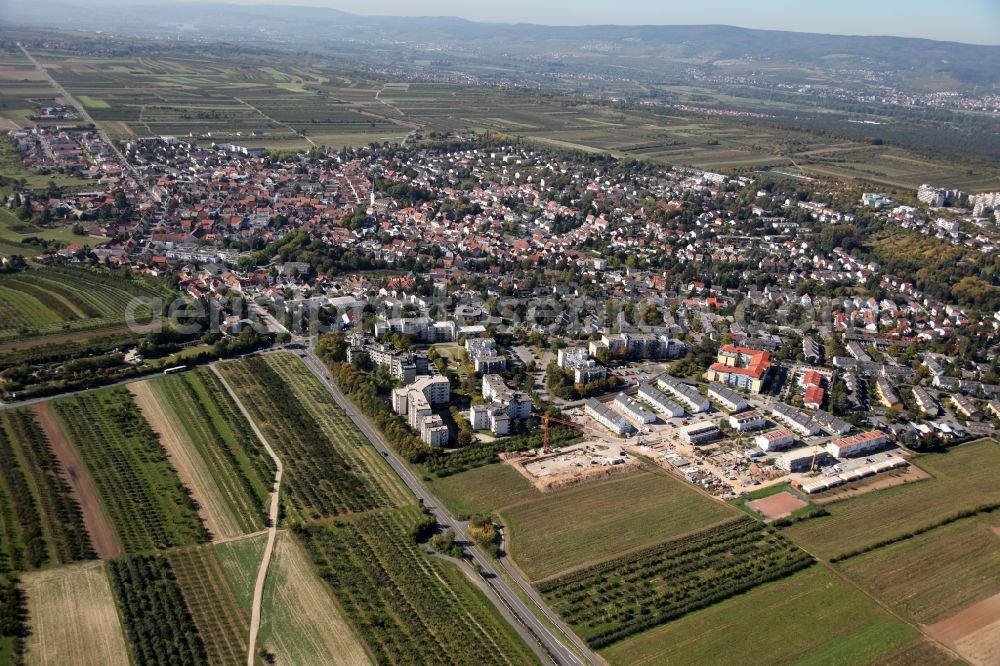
556 649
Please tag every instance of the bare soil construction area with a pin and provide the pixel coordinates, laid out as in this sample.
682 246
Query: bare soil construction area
102 534
973 632
777 506
569 466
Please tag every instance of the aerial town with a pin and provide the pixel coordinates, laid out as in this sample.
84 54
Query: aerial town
469 396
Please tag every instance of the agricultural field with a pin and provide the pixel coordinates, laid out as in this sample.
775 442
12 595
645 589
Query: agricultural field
240 560
406 605
140 492
844 627
933 575
962 479
596 521
301 622
93 637
40 520
329 469
482 490
24 89
63 298
626 595
213 448
221 622
158 624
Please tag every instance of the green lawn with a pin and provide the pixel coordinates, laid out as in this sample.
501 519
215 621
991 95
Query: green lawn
811 617
936 574
600 520
93 103
963 478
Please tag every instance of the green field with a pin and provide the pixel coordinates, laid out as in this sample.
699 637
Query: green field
935 574
64 298
407 605
240 560
963 478
301 622
329 468
482 490
811 617
226 451
139 489
621 597
599 520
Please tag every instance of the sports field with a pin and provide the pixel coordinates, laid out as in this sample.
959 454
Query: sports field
963 478
597 521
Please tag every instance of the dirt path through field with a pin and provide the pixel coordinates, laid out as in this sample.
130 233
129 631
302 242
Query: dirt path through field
973 632
102 534
190 466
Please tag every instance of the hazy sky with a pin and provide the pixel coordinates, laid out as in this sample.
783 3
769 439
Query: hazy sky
976 21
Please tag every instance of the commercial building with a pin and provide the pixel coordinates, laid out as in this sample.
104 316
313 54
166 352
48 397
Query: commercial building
700 433
728 398
856 445
688 395
607 417
742 367
747 421
659 401
775 440
632 409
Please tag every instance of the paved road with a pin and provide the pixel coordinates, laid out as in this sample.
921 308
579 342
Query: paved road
272 530
556 649
82 110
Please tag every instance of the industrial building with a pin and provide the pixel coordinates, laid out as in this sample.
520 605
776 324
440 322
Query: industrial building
659 401
688 395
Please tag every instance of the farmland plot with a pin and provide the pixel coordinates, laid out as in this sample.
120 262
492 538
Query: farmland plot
407 606
73 619
211 453
146 502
